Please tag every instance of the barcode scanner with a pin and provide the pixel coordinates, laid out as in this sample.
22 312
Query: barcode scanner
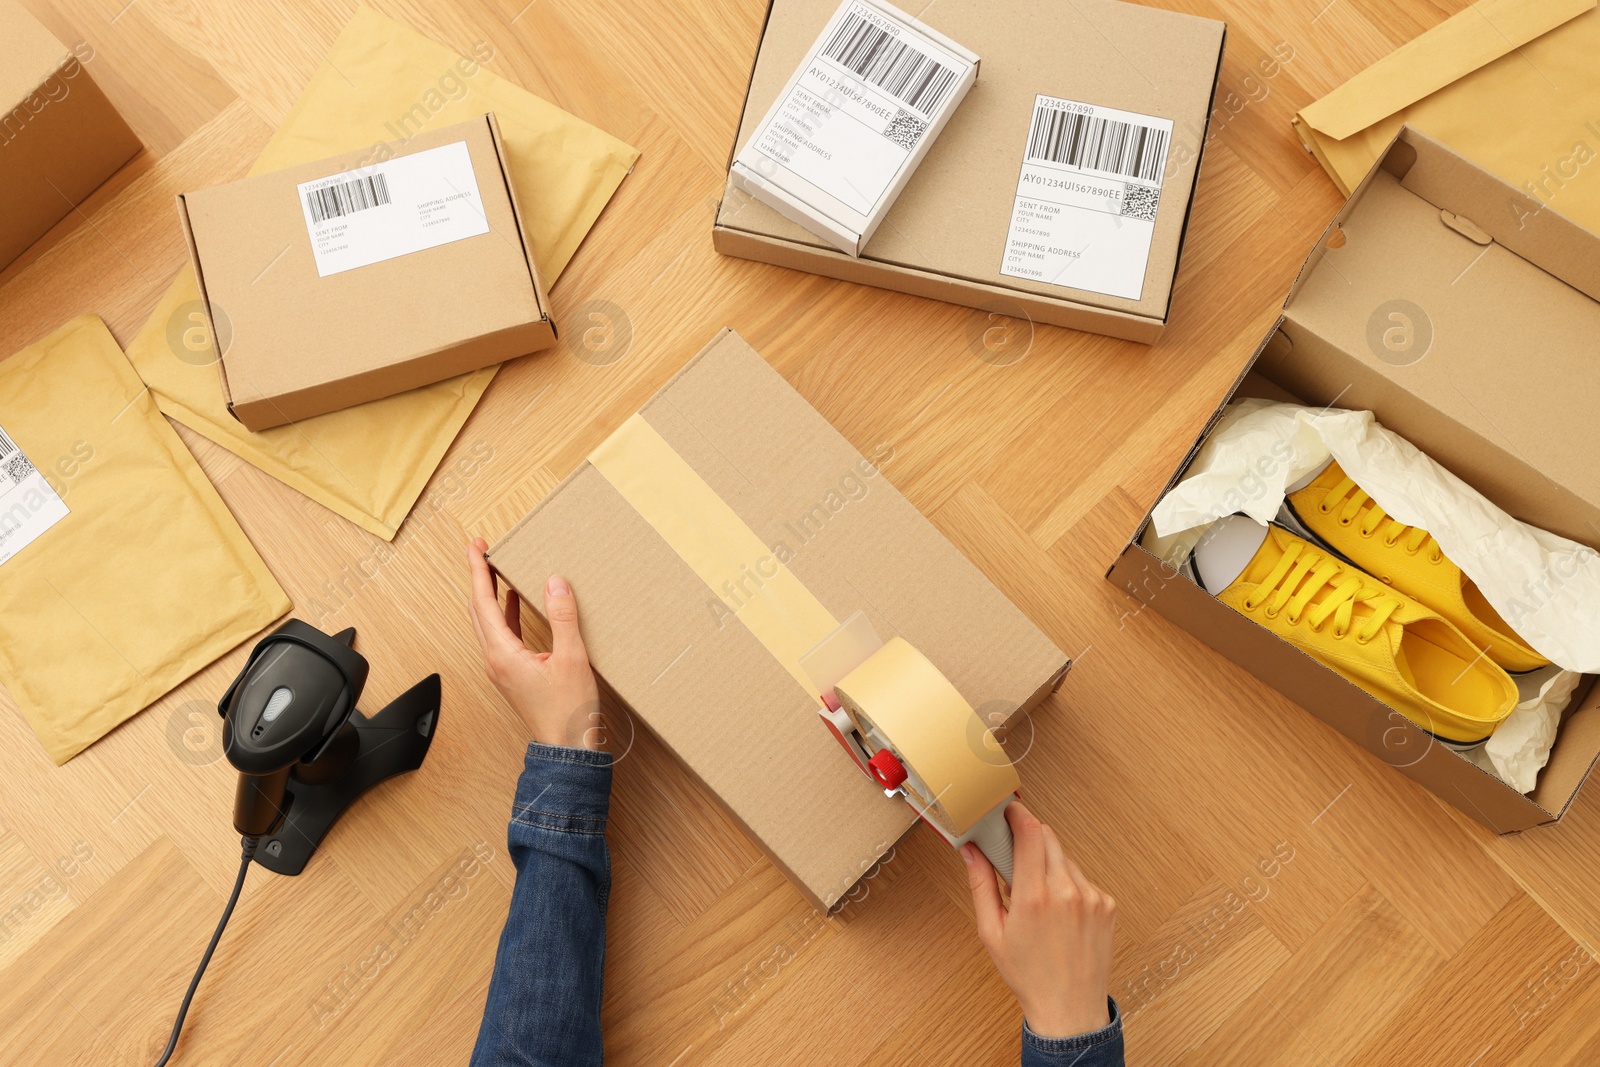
303 752
289 712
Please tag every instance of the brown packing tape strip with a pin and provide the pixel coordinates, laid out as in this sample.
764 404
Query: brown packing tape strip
716 544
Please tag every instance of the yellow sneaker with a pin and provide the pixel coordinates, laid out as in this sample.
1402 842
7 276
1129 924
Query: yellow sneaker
1332 511
1395 648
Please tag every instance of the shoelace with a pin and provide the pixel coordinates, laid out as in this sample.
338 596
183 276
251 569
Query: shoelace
1302 573
1355 501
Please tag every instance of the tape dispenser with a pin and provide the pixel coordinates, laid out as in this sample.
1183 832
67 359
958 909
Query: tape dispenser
913 733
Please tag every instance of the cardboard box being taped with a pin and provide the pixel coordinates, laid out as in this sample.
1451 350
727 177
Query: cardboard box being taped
1446 302
677 652
357 277
59 135
1059 190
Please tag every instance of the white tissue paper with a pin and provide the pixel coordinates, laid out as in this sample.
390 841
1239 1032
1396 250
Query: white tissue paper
1547 588
1520 746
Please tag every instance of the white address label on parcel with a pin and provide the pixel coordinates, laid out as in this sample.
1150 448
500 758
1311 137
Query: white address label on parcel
1087 196
392 209
28 505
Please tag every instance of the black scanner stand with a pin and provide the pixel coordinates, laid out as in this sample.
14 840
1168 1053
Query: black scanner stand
393 741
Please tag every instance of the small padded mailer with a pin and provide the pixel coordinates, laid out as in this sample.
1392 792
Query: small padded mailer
145 579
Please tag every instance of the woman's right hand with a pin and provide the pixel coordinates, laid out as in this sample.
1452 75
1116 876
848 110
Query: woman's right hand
1052 946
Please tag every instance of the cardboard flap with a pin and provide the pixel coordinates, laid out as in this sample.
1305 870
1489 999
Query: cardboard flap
1519 222
1503 330
29 54
1396 159
1477 205
1457 46
1574 757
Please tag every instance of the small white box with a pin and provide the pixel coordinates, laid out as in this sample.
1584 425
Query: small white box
854 121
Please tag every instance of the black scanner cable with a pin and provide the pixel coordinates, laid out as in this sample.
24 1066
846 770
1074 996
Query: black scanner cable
248 852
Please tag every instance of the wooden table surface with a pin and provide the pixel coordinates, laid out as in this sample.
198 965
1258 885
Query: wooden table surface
1285 897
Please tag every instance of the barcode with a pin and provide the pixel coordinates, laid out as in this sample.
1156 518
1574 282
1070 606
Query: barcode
1080 140
17 468
346 198
873 54
14 466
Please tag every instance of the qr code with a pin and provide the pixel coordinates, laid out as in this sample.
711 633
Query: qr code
17 468
1139 201
905 129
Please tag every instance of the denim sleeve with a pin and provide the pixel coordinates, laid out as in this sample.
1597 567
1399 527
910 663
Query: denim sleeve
1102 1048
544 995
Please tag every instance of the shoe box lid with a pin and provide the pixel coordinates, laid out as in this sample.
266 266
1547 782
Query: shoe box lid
1463 312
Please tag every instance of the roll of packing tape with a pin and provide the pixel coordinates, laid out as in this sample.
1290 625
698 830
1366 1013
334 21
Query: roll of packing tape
958 772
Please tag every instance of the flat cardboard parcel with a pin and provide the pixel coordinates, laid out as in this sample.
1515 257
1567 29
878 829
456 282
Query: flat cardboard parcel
946 235
665 644
296 343
1496 383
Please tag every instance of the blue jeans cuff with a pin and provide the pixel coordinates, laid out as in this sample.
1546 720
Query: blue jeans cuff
1077 1042
565 789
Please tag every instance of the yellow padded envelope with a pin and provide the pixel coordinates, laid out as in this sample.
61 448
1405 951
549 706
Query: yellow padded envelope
1513 85
383 82
145 580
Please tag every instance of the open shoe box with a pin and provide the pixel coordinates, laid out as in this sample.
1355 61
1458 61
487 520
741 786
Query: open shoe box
1464 315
